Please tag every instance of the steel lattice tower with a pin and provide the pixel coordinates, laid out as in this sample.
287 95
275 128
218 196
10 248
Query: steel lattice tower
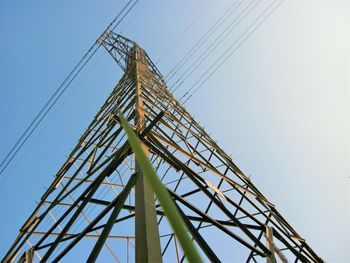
99 203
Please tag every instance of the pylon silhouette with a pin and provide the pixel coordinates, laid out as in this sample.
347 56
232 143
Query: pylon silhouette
100 206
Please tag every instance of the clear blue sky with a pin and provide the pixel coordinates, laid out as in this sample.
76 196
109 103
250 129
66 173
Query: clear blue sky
279 105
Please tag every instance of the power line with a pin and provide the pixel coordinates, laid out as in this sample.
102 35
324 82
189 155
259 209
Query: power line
232 51
122 18
209 50
93 49
60 90
185 31
132 18
202 40
228 50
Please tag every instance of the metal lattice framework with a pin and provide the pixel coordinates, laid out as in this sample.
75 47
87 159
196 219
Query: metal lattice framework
100 205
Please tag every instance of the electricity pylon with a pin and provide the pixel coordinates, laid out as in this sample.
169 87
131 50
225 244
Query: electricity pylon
100 206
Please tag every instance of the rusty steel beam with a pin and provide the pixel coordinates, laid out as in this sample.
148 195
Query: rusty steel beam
146 228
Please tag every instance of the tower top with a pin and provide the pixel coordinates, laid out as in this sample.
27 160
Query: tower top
123 50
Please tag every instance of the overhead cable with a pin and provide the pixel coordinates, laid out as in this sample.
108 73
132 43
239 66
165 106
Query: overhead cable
63 87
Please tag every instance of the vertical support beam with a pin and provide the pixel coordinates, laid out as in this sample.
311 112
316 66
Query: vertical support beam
269 245
27 257
146 227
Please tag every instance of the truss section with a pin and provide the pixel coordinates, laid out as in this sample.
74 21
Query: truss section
89 209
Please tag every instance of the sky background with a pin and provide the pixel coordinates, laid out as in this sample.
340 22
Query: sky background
279 104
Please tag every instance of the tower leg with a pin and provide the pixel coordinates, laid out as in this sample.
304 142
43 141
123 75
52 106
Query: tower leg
27 257
269 245
146 227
